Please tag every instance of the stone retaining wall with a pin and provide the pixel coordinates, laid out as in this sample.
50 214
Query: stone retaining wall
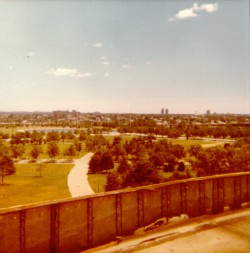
80 223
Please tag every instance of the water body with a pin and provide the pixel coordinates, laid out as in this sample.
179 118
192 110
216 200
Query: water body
48 130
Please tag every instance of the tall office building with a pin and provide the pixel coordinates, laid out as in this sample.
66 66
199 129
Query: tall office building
162 111
166 111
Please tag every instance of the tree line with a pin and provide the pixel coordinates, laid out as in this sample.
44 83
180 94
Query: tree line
142 160
196 131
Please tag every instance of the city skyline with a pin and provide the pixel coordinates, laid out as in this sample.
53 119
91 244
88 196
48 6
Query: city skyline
125 56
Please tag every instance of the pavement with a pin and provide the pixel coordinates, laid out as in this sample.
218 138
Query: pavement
78 177
228 232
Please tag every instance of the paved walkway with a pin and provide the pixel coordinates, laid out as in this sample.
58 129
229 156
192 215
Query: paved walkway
223 233
78 179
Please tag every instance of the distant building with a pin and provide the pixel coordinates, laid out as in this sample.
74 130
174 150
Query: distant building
162 111
208 112
166 111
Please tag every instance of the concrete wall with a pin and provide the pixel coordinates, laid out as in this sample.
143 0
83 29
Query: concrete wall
80 223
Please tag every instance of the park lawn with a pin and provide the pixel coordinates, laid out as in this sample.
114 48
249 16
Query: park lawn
26 186
188 143
123 137
97 182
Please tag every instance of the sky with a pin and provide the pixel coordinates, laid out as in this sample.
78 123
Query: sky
125 56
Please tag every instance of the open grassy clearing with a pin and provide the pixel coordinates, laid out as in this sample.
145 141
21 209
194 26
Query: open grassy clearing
26 186
188 143
185 143
123 137
97 182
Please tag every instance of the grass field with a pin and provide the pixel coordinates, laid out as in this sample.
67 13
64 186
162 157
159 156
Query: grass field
123 137
97 182
26 186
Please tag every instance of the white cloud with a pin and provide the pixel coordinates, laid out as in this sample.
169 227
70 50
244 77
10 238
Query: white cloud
106 75
10 67
68 72
187 13
106 63
97 45
126 66
209 7
193 11
149 62
104 57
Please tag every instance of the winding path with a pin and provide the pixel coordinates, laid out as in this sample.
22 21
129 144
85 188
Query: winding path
78 177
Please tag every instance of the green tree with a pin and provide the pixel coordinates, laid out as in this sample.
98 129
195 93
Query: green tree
142 173
194 150
94 163
36 151
181 166
70 151
117 151
53 149
174 133
106 162
70 135
53 136
114 181
6 167
17 150
36 137
63 136
4 149
123 165
116 140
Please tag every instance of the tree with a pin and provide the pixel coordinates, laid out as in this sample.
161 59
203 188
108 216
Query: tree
123 165
36 151
94 143
53 149
63 135
194 150
36 137
70 151
157 159
142 173
82 136
53 136
117 151
70 135
114 181
94 163
17 150
181 166
174 133
4 150
106 162
178 151
6 167
116 140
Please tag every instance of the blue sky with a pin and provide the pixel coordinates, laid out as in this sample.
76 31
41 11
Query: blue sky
125 56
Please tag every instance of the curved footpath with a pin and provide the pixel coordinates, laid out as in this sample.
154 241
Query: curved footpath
78 177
